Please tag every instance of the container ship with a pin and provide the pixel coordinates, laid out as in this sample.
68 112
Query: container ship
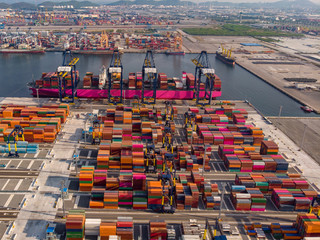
93 51
224 55
22 48
96 86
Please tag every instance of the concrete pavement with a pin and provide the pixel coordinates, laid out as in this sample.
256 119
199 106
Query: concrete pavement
39 208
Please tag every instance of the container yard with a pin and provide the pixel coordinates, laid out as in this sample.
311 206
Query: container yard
154 172
86 42
113 151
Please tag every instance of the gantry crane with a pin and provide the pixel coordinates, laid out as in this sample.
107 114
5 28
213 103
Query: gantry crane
190 118
150 156
68 66
167 139
95 134
203 74
104 41
149 79
168 178
15 134
169 110
115 78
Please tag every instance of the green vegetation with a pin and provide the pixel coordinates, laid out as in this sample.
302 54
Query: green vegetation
238 30
266 39
149 30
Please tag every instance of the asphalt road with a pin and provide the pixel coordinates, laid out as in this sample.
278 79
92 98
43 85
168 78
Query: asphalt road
94 28
231 217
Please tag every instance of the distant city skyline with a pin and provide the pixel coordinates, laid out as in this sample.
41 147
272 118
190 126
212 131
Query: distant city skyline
196 1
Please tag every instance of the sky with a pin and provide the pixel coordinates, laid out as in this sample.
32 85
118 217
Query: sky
237 1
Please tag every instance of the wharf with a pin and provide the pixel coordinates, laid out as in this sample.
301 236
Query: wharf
305 99
41 190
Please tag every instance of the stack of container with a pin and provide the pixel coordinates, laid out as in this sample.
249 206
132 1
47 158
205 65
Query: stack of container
138 158
125 228
126 159
125 180
190 80
97 195
125 199
209 196
154 195
217 83
132 81
146 131
290 200
75 224
22 147
243 159
258 201
107 230
269 148
158 230
140 199
86 178
257 134
308 225
139 80
241 201
195 195
103 159
99 178
266 182
277 231
92 227
87 80
162 81
110 199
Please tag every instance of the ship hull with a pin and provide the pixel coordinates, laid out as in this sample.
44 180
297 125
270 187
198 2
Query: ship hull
93 52
21 51
228 61
128 93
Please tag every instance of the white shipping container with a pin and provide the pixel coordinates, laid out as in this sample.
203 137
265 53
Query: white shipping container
190 237
243 195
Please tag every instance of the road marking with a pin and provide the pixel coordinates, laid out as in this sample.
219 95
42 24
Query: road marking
8 201
140 231
89 154
5 184
218 164
76 202
18 184
25 155
8 164
36 155
87 163
30 164
19 164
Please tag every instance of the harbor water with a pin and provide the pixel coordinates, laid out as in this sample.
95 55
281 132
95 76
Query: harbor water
237 83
